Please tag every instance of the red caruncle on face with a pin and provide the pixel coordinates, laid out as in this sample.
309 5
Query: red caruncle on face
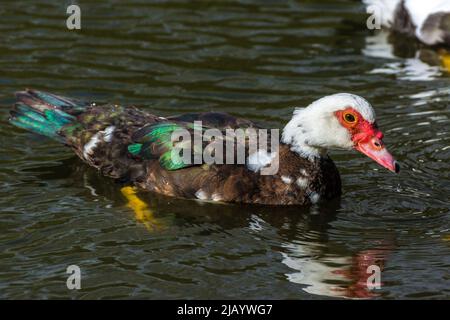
366 137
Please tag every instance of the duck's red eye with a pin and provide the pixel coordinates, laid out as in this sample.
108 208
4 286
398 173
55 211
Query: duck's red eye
349 118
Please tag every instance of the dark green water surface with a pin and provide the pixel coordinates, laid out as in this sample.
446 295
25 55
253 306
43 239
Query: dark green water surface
256 59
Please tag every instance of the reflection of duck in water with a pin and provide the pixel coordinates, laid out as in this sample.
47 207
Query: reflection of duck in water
421 62
142 210
317 265
334 274
111 192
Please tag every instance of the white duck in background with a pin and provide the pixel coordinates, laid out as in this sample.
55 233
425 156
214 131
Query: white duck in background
415 63
427 20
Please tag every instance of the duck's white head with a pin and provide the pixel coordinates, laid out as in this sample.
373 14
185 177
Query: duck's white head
340 121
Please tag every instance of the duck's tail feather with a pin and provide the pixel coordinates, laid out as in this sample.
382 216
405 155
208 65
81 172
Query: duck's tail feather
45 113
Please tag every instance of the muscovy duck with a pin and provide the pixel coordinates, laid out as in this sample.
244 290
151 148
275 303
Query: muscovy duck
427 20
135 147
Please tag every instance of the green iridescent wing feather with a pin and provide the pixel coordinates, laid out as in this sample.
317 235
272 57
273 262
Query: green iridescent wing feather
155 142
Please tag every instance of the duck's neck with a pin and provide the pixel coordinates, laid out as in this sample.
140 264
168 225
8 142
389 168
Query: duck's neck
296 136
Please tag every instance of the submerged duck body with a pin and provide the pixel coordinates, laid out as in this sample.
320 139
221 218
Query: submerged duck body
134 147
427 20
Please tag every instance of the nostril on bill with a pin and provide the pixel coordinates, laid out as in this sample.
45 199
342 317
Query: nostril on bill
396 167
377 144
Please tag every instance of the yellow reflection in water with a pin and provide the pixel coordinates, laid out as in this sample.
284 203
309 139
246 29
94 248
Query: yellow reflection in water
141 210
445 58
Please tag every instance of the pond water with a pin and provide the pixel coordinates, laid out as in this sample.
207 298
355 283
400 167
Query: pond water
255 59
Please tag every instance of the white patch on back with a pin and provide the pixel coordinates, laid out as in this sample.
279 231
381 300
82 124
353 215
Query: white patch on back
216 197
105 135
200 194
314 197
259 160
108 133
302 182
91 145
286 179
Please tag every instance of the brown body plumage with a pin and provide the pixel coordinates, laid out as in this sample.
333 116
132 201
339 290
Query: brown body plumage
299 180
